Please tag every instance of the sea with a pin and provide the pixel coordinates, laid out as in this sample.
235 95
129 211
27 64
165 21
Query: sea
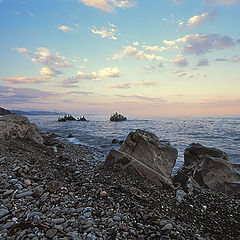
98 131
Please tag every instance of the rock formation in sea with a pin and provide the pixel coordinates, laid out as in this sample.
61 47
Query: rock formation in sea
208 168
144 153
13 126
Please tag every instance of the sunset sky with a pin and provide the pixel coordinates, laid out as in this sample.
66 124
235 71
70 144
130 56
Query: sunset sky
137 57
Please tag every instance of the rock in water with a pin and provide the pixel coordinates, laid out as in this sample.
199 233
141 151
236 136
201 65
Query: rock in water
145 154
13 126
208 167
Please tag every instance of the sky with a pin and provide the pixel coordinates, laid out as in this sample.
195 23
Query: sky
137 57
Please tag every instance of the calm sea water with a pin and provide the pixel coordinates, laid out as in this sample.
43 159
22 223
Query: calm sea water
219 132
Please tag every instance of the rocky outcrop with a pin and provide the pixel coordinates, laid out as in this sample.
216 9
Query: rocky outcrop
209 168
4 111
142 152
13 126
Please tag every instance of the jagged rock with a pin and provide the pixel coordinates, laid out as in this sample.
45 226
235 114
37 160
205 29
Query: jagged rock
208 167
13 126
144 153
4 111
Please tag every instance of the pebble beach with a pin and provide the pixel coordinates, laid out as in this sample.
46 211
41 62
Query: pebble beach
59 190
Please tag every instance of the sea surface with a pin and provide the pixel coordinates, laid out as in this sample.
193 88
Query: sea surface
219 132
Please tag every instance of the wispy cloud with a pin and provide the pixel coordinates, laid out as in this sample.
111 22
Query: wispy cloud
45 57
202 63
49 72
132 52
133 84
109 5
24 79
198 19
154 48
179 1
221 2
110 33
18 95
65 28
102 73
180 61
202 43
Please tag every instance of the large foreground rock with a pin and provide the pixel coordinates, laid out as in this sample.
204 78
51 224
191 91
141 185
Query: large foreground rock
144 153
13 126
208 167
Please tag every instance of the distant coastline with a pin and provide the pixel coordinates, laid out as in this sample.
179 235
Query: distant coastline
37 112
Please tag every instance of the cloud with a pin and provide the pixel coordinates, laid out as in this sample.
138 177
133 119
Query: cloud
110 33
109 72
135 44
132 52
65 28
154 48
109 5
220 2
202 43
17 95
24 79
179 1
49 72
102 73
132 84
181 73
221 60
202 63
180 61
142 98
198 19
45 57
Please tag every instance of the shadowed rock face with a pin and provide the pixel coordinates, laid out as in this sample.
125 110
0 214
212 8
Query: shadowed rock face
4 111
13 126
208 167
144 153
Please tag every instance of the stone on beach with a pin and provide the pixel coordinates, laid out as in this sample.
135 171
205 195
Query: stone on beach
208 167
13 126
144 153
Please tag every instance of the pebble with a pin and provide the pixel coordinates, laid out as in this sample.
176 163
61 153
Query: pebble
58 220
103 193
51 233
3 212
8 225
27 182
24 194
168 226
8 192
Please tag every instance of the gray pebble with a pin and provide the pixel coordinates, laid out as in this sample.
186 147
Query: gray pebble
168 226
3 212
57 220
24 194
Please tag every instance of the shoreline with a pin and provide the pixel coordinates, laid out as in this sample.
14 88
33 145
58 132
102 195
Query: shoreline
69 195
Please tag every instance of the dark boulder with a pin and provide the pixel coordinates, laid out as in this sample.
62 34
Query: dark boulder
144 153
4 111
208 168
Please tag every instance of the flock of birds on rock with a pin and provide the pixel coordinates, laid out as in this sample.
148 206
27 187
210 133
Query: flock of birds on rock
116 117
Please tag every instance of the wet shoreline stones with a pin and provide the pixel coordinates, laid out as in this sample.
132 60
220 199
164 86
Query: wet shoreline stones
70 195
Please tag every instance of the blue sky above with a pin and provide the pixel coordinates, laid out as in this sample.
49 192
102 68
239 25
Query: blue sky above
137 57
